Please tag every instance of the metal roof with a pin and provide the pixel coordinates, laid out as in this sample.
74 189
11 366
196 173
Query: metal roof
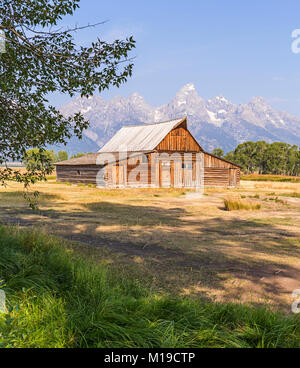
140 137
98 159
89 159
133 140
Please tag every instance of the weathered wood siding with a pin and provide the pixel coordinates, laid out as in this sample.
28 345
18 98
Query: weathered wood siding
77 174
212 161
135 172
171 138
153 171
219 172
179 140
216 177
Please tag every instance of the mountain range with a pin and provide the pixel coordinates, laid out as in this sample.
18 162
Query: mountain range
215 122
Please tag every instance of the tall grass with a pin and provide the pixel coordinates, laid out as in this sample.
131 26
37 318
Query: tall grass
274 178
276 195
235 204
56 299
292 195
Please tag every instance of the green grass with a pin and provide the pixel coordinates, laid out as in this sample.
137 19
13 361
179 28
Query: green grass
277 200
57 299
257 196
292 195
274 178
235 204
19 196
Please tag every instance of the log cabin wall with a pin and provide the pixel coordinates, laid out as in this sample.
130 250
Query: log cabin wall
216 177
154 172
238 177
212 161
219 172
77 174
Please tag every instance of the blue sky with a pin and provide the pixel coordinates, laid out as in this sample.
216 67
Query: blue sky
236 48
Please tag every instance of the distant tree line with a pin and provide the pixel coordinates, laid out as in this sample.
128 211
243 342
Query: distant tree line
264 158
32 158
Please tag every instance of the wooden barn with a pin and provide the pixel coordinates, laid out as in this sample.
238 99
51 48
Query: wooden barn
151 155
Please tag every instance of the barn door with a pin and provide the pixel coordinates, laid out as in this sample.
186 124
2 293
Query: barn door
114 175
178 174
232 177
121 176
100 178
165 174
188 174
172 173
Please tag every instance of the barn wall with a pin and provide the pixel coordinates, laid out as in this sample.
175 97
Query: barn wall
179 139
136 174
238 177
212 161
218 172
154 173
158 172
216 177
77 174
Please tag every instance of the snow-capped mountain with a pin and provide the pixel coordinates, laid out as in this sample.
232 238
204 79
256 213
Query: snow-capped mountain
216 122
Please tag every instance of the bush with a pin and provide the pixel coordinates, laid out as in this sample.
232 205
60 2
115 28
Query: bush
61 156
38 160
234 204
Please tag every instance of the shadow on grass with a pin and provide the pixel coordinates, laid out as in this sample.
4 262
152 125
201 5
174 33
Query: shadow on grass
19 196
205 254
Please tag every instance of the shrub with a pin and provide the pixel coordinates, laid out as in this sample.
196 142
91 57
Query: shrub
234 204
38 159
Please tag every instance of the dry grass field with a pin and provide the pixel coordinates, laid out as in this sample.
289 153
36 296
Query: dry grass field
175 242
268 177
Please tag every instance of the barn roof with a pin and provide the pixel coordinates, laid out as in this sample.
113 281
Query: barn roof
223 159
140 137
132 139
98 158
89 159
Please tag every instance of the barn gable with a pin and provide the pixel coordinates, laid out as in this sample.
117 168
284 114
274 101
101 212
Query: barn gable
179 139
142 138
